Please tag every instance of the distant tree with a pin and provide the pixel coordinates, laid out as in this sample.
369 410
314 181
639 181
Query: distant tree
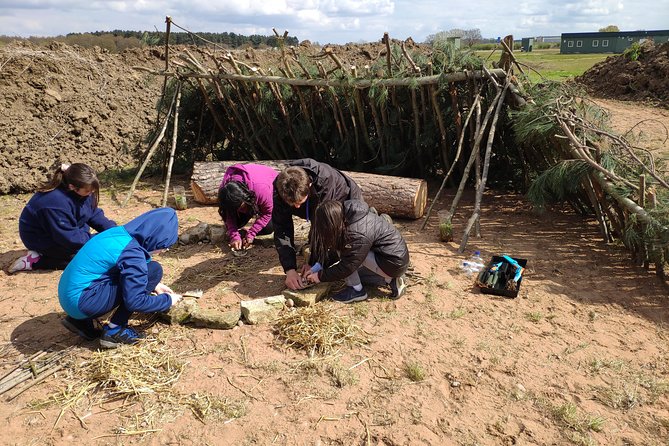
609 29
468 37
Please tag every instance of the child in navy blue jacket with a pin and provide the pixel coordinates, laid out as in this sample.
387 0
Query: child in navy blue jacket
55 223
115 270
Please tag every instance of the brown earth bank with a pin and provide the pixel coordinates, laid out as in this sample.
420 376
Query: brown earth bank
63 103
641 75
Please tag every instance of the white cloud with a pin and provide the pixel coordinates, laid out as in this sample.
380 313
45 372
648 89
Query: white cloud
336 21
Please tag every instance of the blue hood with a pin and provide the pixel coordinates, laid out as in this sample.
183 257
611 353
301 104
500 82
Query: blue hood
156 229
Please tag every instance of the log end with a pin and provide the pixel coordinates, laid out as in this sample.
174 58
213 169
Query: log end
420 201
200 196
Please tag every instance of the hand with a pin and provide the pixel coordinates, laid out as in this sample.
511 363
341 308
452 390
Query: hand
162 288
237 244
246 244
306 269
293 280
312 278
175 298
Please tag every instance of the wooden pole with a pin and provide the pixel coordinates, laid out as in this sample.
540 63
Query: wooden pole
175 128
152 149
486 164
473 106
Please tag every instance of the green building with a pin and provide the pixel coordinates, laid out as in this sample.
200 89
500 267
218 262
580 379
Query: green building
608 42
526 44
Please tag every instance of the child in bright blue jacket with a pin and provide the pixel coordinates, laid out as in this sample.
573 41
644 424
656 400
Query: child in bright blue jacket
115 270
56 222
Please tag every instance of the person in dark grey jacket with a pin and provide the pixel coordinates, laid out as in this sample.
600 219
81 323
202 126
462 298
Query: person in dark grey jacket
360 238
298 190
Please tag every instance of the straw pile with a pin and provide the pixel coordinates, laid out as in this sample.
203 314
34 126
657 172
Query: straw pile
145 373
317 329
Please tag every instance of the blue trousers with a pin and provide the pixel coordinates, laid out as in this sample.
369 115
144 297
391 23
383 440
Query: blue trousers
109 295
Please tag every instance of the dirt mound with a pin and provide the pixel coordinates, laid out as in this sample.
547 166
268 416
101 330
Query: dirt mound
641 74
65 103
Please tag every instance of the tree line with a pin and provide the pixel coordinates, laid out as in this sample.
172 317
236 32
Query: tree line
119 40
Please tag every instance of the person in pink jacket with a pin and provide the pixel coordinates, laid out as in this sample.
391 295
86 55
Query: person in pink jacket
245 192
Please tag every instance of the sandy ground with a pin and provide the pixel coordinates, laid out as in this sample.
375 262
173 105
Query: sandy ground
580 357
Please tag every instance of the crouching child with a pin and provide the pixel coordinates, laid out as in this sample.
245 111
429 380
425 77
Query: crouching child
116 270
356 237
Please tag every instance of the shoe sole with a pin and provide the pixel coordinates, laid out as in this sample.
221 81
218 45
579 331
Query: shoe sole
67 324
400 290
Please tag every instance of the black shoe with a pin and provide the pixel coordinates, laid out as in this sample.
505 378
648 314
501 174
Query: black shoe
83 327
349 295
398 286
115 337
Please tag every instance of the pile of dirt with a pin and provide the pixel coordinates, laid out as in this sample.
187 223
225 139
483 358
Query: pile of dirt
64 103
70 104
638 75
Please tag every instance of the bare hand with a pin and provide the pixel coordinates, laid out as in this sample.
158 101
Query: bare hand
162 288
246 244
312 278
175 298
293 280
237 244
306 269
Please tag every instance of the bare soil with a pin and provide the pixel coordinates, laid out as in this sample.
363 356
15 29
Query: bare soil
638 76
580 357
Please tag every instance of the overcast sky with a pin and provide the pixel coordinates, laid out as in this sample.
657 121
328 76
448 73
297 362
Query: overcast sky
333 21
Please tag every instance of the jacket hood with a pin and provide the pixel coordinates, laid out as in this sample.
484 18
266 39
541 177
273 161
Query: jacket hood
355 210
156 229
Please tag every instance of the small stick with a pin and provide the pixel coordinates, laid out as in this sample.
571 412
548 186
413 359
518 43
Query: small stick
242 390
360 363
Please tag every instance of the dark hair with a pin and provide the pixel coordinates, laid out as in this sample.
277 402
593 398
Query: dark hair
78 175
329 229
292 184
232 195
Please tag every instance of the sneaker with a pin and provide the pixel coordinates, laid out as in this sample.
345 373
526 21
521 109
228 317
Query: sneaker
24 263
83 327
398 286
349 295
373 210
115 337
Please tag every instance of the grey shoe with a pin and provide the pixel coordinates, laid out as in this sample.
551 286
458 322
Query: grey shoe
398 286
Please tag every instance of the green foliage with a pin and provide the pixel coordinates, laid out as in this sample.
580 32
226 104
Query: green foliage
609 29
557 183
633 52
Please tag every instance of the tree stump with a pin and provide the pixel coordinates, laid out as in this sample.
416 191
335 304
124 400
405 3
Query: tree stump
396 196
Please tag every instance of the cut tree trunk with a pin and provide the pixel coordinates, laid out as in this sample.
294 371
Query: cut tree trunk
395 196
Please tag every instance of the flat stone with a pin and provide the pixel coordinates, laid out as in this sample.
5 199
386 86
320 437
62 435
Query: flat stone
187 311
258 311
218 320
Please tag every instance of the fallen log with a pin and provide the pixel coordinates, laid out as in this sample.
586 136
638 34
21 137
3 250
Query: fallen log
395 196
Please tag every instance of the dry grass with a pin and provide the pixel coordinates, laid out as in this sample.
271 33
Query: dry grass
318 329
135 376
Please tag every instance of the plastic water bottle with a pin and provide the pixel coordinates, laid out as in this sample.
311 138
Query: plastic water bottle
474 265
477 260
